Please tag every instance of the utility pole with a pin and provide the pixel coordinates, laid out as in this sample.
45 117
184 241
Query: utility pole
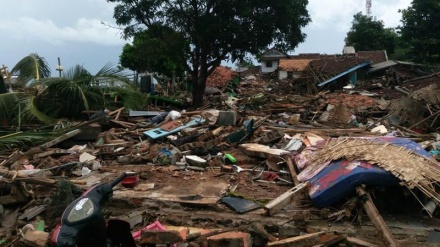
368 7
59 66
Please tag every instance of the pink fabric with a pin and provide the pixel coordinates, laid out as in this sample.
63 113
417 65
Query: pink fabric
153 226
308 169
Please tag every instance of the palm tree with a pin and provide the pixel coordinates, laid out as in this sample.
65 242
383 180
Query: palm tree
31 67
63 97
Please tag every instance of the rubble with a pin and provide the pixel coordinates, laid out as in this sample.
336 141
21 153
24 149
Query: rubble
262 165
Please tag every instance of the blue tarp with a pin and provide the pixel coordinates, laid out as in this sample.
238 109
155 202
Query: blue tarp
341 177
344 73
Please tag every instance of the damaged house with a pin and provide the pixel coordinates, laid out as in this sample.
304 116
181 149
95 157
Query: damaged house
322 69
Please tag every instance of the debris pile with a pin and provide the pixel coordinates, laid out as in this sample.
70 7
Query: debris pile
261 166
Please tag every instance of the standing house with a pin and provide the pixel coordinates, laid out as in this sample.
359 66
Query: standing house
292 68
270 60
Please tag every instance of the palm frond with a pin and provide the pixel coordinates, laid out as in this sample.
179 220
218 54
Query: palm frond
27 139
133 100
9 107
77 73
29 112
69 96
108 70
65 98
31 67
111 73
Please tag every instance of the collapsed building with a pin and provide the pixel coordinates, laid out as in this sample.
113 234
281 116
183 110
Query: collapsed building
323 150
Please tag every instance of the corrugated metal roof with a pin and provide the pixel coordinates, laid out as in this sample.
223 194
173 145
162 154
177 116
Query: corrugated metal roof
334 66
382 65
343 73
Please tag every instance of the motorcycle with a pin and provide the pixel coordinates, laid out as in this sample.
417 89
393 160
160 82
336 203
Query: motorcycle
83 224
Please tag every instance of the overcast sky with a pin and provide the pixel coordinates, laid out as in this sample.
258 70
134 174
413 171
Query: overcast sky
73 30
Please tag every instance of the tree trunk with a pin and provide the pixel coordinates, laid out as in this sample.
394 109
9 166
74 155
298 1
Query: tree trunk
198 91
199 77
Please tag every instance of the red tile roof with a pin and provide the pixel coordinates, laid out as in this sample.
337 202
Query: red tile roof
220 77
294 64
335 66
374 56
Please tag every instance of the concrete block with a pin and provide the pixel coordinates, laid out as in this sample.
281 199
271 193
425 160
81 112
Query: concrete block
288 230
35 238
230 239
189 132
226 118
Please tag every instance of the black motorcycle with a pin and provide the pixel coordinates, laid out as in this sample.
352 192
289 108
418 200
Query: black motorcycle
83 223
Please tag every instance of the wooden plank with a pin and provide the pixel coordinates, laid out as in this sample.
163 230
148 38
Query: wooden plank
51 153
286 198
306 240
200 193
37 180
359 242
292 170
119 113
376 218
60 139
11 158
333 241
115 111
262 151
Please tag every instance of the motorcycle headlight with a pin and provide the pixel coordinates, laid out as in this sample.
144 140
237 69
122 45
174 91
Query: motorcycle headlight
82 209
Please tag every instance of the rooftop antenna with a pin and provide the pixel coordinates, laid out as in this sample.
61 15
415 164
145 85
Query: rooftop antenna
368 6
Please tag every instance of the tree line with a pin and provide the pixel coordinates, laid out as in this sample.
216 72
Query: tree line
417 39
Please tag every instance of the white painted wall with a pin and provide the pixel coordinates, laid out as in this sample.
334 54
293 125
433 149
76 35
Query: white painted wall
265 69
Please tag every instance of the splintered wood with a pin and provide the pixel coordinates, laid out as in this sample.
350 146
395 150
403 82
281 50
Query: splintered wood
414 170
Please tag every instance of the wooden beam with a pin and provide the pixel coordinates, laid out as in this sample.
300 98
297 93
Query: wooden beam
286 198
292 170
305 240
115 111
359 242
60 139
334 240
12 158
376 218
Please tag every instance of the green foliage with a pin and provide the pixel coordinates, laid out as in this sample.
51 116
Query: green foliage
245 62
214 30
26 139
8 107
66 97
78 91
133 100
421 30
367 34
31 67
158 49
